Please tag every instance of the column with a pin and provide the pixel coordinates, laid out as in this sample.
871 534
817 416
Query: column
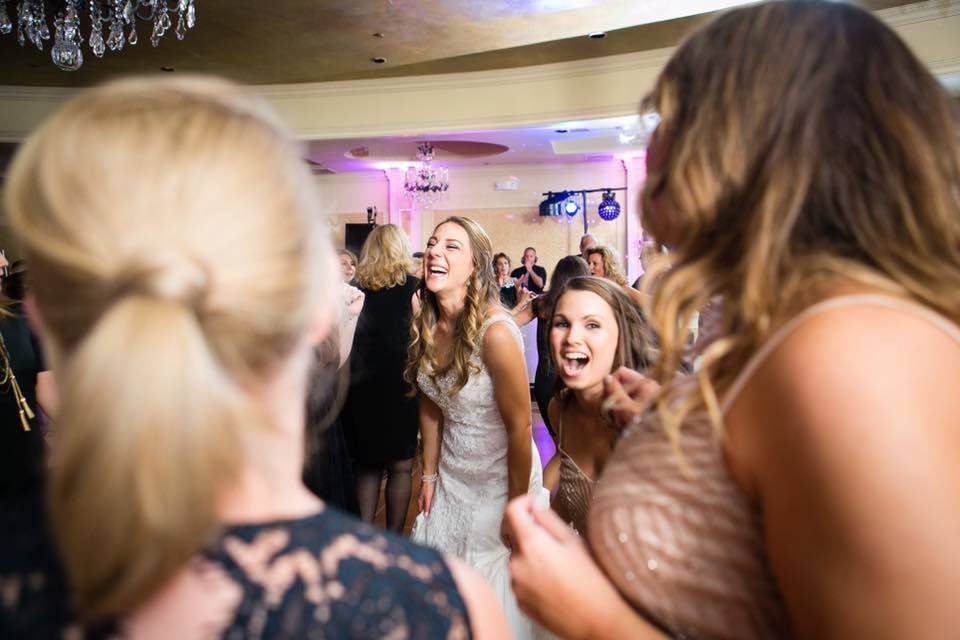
635 170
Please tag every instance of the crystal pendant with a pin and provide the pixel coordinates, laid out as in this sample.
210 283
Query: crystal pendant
66 55
115 39
155 36
191 15
181 30
6 24
129 12
132 38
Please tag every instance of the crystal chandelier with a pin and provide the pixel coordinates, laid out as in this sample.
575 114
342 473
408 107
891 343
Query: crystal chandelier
425 185
118 17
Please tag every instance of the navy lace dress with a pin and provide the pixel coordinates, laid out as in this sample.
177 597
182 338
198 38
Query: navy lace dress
323 576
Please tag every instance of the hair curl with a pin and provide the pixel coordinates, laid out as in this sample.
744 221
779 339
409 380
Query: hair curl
787 177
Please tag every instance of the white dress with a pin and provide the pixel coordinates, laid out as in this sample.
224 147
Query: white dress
471 492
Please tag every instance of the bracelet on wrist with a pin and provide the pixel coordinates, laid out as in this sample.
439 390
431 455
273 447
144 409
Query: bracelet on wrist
429 477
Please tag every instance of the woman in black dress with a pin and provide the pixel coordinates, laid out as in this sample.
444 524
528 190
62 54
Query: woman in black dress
174 494
380 416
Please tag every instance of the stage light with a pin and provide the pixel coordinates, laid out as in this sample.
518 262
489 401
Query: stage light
609 208
570 207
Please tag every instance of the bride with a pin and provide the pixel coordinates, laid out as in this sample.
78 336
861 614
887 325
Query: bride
467 361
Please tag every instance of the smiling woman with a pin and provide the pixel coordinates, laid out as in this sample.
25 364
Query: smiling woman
594 330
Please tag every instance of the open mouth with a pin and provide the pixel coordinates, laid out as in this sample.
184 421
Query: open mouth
437 271
572 363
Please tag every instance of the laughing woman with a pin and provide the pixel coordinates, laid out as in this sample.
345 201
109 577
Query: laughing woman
594 330
467 360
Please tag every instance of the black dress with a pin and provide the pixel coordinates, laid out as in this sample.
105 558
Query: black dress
508 295
22 452
545 380
380 418
351 580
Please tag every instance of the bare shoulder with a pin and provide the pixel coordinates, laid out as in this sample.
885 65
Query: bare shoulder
861 366
836 434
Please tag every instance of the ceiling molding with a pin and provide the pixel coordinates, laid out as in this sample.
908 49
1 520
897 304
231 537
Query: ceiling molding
919 12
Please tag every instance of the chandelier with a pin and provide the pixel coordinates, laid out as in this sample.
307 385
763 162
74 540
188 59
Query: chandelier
117 17
425 185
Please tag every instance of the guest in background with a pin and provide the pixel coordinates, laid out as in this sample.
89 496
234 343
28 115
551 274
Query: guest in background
181 315
606 263
545 380
506 282
380 416
328 468
528 275
348 266
587 242
804 483
595 329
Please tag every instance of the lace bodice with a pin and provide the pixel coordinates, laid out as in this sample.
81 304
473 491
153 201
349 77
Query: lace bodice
323 576
473 451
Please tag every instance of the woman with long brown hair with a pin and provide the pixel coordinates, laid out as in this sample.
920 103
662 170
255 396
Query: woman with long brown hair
180 294
594 329
804 481
466 358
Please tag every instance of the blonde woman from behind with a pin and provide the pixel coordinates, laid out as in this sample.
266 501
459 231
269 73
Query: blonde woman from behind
180 293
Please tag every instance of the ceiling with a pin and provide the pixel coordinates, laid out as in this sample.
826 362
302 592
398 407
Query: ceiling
300 41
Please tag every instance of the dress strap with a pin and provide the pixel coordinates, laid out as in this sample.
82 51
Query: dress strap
867 300
499 317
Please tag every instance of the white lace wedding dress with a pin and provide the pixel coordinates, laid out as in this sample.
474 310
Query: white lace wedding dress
471 492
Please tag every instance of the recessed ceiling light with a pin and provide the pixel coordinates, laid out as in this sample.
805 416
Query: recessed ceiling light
560 130
597 35
378 60
167 69
378 34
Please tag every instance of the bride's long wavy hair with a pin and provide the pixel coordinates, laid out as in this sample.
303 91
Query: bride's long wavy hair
786 176
482 292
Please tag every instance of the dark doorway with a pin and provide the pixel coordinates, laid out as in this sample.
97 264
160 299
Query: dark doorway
355 235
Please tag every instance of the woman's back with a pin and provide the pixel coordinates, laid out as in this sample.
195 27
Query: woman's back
325 574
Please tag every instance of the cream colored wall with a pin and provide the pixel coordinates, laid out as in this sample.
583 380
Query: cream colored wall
511 218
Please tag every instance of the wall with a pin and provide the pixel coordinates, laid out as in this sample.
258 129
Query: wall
511 218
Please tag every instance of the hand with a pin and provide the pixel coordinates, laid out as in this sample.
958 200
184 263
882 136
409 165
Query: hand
352 300
553 576
524 297
522 280
425 500
626 395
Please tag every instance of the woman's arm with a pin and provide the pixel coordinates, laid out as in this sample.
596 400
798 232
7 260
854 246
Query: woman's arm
557 583
847 437
523 311
511 392
487 621
431 422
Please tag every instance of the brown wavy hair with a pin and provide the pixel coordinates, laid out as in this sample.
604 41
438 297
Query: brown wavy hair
385 258
787 177
482 291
